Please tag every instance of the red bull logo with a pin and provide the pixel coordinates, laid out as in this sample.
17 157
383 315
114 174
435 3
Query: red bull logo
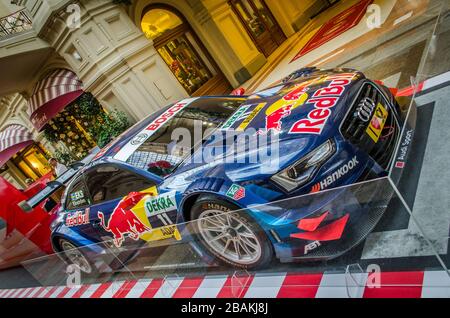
274 120
123 223
284 107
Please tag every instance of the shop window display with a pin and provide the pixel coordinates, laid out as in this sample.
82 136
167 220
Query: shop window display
32 161
82 126
182 52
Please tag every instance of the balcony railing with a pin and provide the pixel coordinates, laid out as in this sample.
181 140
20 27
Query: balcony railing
14 23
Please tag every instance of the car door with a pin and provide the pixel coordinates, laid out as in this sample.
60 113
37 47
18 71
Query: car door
78 216
115 191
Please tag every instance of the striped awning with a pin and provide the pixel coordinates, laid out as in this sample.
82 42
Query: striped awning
13 139
57 90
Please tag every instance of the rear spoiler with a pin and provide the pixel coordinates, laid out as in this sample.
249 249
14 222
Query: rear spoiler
51 188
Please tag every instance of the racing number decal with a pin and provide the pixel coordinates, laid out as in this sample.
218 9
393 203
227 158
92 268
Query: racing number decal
158 211
148 219
377 123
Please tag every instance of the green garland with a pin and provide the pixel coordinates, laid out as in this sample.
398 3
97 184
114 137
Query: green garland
86 114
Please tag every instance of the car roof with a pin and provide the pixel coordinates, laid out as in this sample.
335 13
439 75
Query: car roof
114 146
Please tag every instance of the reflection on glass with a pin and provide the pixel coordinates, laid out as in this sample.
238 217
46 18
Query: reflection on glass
251 18
264 14
32 162
159 21
178 47
185 63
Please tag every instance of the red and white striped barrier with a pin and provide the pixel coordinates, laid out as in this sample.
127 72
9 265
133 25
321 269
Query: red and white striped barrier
425 85
428 284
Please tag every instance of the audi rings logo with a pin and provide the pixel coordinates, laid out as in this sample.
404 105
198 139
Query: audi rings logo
139 139
365 109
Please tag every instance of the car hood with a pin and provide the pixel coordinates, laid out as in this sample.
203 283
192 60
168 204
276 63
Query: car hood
269 117
280 107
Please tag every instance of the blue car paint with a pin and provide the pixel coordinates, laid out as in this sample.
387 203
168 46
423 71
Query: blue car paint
196 179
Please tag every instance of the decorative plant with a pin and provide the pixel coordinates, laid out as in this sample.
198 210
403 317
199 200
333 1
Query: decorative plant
83 124
50 135
110 126
63 157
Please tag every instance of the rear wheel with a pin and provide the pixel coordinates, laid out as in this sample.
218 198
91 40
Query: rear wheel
75 256
232 237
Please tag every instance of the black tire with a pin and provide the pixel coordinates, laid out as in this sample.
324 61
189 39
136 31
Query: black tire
212 203
63 244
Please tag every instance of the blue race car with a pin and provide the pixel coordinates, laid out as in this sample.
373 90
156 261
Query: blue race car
331 128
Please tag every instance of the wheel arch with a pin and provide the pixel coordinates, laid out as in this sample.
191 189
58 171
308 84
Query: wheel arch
189 201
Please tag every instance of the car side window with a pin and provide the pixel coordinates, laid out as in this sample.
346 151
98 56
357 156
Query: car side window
78 196
109 182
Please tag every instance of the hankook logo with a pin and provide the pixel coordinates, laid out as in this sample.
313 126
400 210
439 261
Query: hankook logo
365 109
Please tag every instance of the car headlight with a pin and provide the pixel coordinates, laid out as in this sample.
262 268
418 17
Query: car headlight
303 170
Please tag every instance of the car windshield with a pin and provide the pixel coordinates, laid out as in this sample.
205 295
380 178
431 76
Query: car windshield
166 148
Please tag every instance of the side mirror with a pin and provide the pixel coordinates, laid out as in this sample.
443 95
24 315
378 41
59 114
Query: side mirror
238 92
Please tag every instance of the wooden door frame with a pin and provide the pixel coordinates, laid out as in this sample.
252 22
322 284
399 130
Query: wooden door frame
180 30
231 3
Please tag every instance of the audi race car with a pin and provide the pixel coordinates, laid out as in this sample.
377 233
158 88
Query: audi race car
332 129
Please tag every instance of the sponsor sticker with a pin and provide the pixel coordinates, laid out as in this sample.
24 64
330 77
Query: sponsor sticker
250 117
139 139
335 176
377 123
78 218
283 108
77 198
323 100
311 247
77 195
236 192
235 117
160 204
403 151
400 164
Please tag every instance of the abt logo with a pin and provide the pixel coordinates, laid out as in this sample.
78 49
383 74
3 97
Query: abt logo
311 246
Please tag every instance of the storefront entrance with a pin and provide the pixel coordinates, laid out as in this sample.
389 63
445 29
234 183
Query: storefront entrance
260 24
183 53
32 162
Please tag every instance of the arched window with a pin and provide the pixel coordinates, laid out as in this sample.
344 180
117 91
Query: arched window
183 52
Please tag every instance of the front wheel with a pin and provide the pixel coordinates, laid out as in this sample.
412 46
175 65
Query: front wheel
232 237
73 255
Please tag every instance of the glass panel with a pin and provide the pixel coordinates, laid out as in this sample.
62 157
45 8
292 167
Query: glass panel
264 13
78 196
37 161
185 63
157 22
199 249
251 18
107 183
161 153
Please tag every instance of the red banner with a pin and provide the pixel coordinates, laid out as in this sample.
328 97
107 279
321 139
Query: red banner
335 27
